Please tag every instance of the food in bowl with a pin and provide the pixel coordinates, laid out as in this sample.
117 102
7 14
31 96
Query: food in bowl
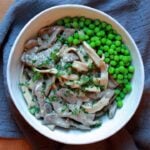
75 71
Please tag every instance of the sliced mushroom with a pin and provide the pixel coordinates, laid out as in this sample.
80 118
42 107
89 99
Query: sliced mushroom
112 83
40 59
91 52
80 66
59 107
49 82
70 57
67 95
79 126
55 119
26 93
70 77
38 90
84 118
51 71
44 30
66 50
93 89
68 32
31 44
104 101
73 84
112 110
103 79
55 31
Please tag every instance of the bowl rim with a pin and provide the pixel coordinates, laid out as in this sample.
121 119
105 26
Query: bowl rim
95 11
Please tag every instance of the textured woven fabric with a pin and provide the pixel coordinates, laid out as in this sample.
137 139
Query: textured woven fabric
134 15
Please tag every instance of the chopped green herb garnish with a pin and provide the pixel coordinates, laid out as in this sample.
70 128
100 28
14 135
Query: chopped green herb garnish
76 111
64 108
26 84
34 61
36 76
98 124
67 65
52 98
34 110
54 55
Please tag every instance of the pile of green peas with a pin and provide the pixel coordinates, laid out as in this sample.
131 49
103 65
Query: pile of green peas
106 41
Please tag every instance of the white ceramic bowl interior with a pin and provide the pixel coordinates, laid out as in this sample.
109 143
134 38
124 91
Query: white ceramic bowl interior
109 127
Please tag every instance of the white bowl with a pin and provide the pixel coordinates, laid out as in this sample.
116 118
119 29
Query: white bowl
109 127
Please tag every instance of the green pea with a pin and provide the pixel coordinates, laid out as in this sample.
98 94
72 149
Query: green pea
126 52
86 37
114 76
75 24
76 35
117 70
119 76
111 51
116 58
108 27
81 24
97 22
67 25
67 19
100 33
107 60
117 43
131 69
85 29
122 95
94 38
108 42
117 49
113 63
91 26
118 98
75 19
81 37
76 41
122 69
111 57
129 76
128 87
103 40
97 43
113 46
82 18
89 32
118 38
104 24
106 48
121 63
70 39
97 29
110 36
119 81
92 44
117 91
99 52
106 54
87 21
125 59
119 103
111 70
125 81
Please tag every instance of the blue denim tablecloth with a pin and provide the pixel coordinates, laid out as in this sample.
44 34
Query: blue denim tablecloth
134 15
